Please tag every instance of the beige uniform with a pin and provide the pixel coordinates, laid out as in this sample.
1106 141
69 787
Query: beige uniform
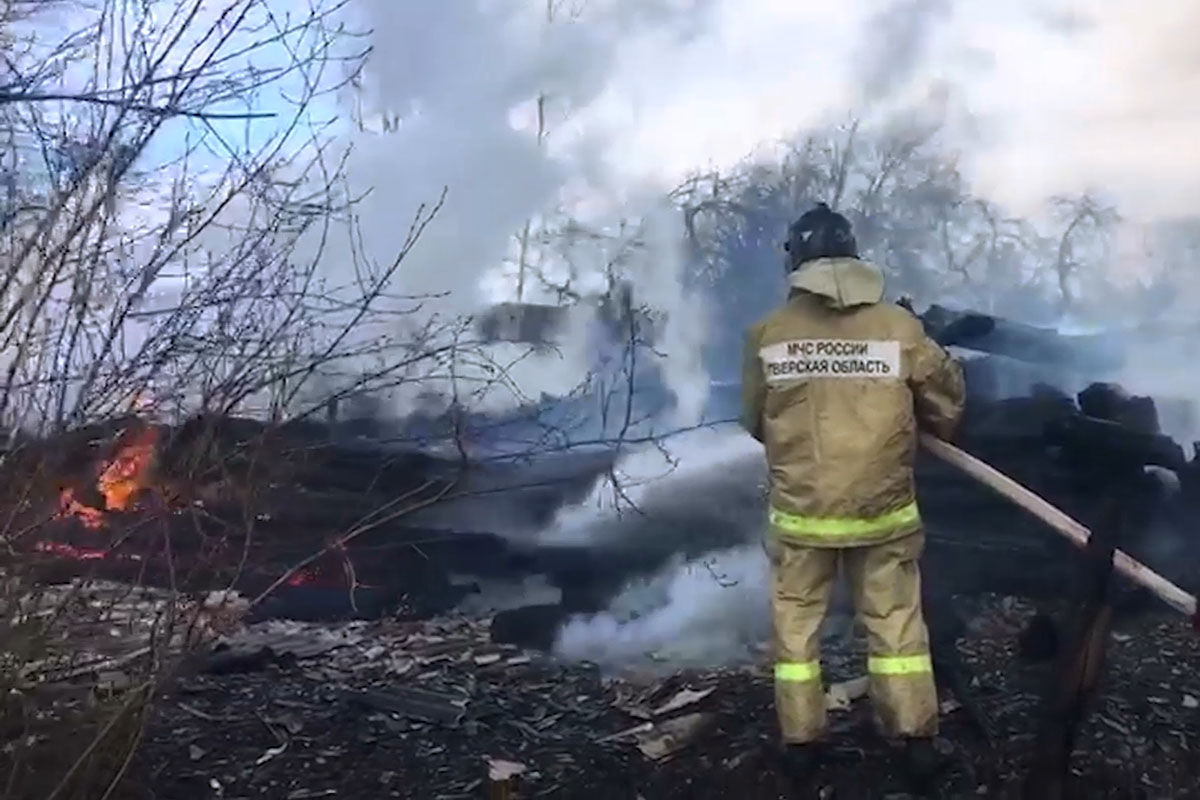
835 385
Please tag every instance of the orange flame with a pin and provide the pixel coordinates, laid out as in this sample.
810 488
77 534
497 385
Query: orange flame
121 481
129 472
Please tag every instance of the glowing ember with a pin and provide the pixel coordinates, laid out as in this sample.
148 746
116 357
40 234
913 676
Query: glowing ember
302 577
121 481
70 551
68 506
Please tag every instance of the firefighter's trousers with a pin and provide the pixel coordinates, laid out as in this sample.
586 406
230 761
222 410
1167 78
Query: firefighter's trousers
885 585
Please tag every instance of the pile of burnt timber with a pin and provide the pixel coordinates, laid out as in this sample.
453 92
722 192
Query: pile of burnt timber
244 503
1023 342
317 488
221 502
1063 449
1058 446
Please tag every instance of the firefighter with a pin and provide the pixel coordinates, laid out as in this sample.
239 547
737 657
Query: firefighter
835 385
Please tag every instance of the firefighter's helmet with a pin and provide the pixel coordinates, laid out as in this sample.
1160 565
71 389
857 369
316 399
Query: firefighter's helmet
819 233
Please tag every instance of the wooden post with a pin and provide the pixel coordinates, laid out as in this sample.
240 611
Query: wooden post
1073 683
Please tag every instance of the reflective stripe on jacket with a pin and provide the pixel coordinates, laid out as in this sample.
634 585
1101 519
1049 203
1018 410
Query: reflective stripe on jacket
835 384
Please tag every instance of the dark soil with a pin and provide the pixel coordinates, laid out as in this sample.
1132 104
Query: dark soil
346 722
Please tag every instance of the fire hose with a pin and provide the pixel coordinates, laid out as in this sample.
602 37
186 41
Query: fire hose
1076 532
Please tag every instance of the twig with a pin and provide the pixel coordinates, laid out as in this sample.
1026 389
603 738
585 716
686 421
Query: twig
98 666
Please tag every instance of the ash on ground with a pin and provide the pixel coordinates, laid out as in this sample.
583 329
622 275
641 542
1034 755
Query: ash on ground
424 709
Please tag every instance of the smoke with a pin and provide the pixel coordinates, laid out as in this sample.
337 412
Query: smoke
714 610
1097 102
896 45
697 490
640 94
695 501
635 95
457 86
660 276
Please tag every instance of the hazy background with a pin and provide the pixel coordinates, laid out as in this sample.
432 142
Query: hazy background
1031 159
1034 99
1031 100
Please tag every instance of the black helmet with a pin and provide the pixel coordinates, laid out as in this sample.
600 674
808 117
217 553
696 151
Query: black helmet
820 233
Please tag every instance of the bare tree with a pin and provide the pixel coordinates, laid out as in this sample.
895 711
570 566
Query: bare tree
134 268
1088 224
169 188
914 214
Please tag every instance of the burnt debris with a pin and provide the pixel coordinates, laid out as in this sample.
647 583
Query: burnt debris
1005 337
426 709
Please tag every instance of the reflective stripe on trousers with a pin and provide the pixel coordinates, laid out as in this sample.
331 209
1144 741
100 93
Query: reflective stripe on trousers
834 527
899 665
804 671
798 671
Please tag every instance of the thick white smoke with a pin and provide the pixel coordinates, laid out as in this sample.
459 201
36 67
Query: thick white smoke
701 486
711 610
638 93
701 496
698 495
456 85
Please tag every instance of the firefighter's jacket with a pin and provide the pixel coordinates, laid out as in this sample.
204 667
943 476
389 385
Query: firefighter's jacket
836 384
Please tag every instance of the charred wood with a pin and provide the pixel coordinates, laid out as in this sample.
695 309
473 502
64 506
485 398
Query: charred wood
1089 440
440 707
1000 336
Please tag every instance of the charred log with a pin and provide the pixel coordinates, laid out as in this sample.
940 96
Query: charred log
1100 443
1005 337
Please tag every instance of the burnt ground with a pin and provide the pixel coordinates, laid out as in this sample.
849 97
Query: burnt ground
415 710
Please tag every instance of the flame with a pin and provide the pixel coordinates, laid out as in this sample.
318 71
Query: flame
123 478
121 481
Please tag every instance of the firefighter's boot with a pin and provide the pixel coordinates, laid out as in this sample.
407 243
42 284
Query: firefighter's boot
800 763
921 763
